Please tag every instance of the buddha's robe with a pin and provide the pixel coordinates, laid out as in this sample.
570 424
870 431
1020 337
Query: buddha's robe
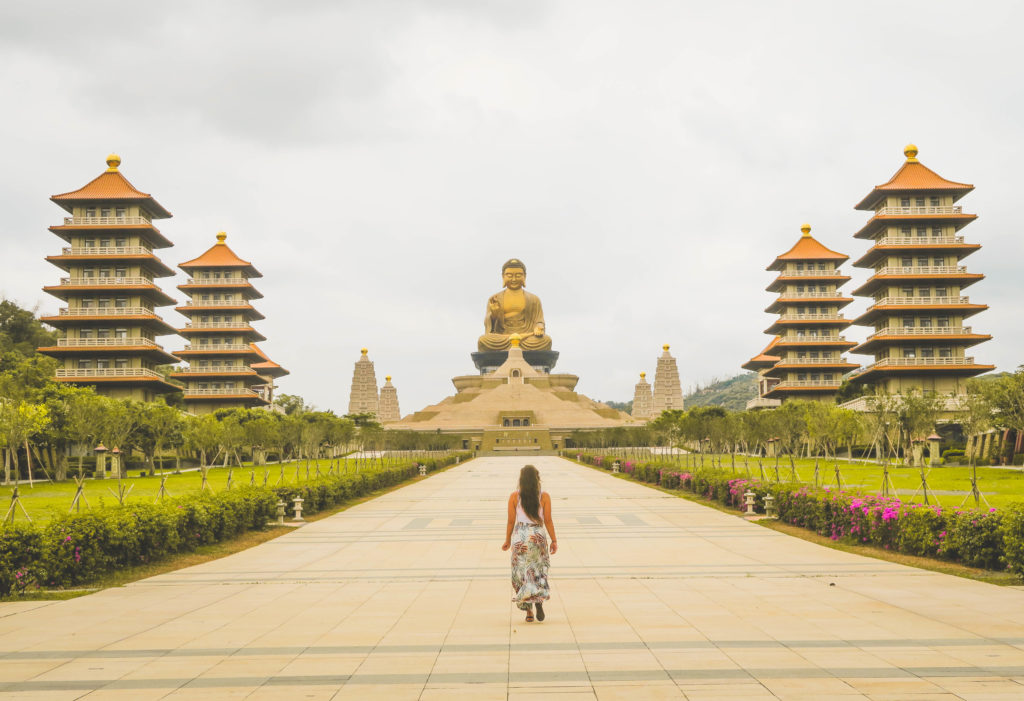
518 313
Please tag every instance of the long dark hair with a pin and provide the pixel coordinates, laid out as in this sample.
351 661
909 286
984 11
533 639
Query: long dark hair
529 492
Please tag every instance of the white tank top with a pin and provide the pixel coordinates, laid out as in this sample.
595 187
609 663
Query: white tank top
521 516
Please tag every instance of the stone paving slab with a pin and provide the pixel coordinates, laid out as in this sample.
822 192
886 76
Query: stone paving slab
407 597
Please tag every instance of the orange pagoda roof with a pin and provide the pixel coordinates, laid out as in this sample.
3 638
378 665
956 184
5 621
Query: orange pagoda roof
267 366
111 186
220 255
914 176
807 248
763 359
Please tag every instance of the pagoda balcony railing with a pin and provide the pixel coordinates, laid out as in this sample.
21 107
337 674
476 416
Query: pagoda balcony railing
107 311
918 331
918 240
105 342
219 369
217 303
213 282
919 362
106 221
106 251
921 301
813 361
810 295
221 391
763 403
93 281
911 211
108 372
786 384
812 317
217 325
825 338
921 270
810 273
218 347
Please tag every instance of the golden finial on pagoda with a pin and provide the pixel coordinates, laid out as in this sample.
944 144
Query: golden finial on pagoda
113 161
364 351
643 375
221 236
911 153
387 378
806 229
665 348
514 340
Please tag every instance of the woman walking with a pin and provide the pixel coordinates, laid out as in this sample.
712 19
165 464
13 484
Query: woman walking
529 513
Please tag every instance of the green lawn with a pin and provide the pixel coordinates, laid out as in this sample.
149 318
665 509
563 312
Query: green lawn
47 498
951 484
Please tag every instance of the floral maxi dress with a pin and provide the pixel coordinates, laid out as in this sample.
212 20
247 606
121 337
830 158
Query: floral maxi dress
529 565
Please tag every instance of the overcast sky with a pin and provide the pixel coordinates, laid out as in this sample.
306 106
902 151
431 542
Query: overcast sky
379 160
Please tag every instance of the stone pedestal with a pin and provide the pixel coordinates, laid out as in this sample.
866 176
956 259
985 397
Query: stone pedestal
489 361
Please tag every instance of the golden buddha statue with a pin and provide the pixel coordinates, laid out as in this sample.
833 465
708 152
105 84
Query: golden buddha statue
514 311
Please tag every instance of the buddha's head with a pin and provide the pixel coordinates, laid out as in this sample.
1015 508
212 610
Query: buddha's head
513 274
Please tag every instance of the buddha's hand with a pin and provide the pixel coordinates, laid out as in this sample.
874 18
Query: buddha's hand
538 330
493 306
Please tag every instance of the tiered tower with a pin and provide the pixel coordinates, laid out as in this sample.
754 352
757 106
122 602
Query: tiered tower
643 400
668 393
389 411
761 363
109 327
269 371
809 345
220 353
363 398
917 312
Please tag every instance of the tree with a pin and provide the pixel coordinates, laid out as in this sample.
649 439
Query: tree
916 414
291 404
1005 394
20 332
18 421
84 412
118 422
158 426
202 434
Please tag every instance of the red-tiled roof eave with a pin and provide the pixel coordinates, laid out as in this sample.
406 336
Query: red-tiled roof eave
110 187
958 221
914 177
962 250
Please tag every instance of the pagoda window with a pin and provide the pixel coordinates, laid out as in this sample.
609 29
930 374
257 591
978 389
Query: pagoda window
103 302
120 212
121 362
927 352
104 272
821 266
941 292
89 243
924 292
907 291
86 302
84 364
801 376
906 261
904 202
945 352
215 385
938 261
90 211
121 242
88 272
120 272
205 297
85 333
919 202
799 289
120 302
104 211
799 265
828 377
909 353
942 322
102 333
204 341
904 231
216 341
925 322
908 322
937 231
204 363
923 261
814 354
102 363
813 333
801 355
815 377
922 231
202 385
120 333
935 201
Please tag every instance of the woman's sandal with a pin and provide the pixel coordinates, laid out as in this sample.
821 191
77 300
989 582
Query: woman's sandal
540 611
529 615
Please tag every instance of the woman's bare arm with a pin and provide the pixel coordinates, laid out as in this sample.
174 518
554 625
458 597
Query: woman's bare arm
545 501
511 521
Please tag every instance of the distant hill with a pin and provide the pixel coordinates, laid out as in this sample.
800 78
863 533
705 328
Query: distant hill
733 393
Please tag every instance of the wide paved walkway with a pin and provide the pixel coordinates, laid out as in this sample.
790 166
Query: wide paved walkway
407 597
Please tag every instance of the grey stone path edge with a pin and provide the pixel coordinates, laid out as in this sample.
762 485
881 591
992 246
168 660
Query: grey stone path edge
407 596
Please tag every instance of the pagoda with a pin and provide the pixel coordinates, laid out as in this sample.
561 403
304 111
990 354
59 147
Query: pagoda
917 307
269 371
808 343
643 399
760 363
108 329
363 399
668 393
389 411
220 334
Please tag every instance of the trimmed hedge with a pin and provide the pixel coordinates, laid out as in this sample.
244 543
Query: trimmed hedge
992 539
74 549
